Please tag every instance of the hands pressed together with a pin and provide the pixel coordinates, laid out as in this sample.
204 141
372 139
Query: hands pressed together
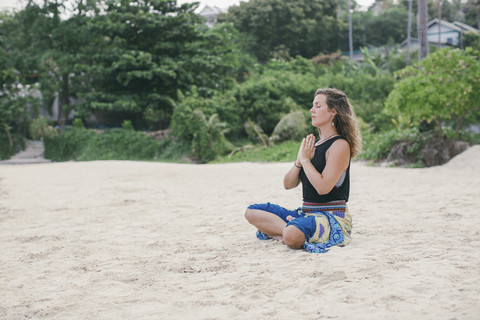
307 150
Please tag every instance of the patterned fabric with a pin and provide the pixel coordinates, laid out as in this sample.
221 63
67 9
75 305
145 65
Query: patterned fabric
263 236
339 206
336 237
339 220
331 221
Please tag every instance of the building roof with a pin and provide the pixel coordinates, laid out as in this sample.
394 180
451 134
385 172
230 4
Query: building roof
465 27
211 10
444 23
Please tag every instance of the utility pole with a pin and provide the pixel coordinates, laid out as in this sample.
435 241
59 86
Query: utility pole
439 3
350 33
422 29
409 30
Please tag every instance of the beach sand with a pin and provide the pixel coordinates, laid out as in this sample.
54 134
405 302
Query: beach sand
145 240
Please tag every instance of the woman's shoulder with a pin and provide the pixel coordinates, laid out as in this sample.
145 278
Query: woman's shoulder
340 139
340 145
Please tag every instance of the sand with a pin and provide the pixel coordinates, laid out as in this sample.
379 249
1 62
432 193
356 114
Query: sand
140 240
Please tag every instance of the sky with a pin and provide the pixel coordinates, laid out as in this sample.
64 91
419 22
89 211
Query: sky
219 3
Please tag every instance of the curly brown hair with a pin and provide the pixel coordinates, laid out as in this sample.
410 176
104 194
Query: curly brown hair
345 121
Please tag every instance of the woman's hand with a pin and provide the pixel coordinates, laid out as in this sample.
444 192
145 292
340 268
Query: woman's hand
307 149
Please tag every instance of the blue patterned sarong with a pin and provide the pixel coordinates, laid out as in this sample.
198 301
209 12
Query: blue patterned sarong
336 236
324 224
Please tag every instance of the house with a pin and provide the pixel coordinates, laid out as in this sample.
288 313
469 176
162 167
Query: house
210 14
450 33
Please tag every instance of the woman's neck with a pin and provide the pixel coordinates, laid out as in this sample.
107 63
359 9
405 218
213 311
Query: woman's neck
327 133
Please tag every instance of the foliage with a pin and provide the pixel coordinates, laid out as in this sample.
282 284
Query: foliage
78 123
174 150
285 29
472 39
367 86
471 12
221 60
447 85
39 128
377 146
14 105
255 132
86 144
143 53
10 144
294 126
15 91
451 10
265 98
375 29
283 152
194 121
127 125
209 139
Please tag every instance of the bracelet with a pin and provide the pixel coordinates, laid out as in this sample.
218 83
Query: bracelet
295 164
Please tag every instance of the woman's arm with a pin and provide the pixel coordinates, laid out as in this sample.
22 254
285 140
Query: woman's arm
338 159
292 178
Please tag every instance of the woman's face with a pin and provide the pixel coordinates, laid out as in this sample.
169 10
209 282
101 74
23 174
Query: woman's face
321 114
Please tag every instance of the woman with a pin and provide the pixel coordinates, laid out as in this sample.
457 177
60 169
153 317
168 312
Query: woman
323 168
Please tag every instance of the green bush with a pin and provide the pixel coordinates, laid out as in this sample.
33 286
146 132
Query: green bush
444 86
367 93
293 126
175 151
78 123
39 129
68 146
377 146
115 144
206 135
282 152
265 98
6 149
127 125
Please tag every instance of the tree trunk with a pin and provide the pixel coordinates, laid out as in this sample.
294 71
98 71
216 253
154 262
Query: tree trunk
439 3
350 32
478 23
10 141
458 126
422 29
64 100
409 31
439 126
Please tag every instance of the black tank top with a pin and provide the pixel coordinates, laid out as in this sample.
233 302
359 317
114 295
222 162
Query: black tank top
319 161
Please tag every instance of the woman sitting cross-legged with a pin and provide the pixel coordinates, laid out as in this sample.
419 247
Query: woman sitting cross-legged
323 168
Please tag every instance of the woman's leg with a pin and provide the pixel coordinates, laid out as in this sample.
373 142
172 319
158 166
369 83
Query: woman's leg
274 226
269 218
293 237
265 221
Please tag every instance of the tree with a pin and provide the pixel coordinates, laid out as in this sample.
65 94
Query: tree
45 49
196 122
287 28
17 74
472 14
446 86
67 49
143 53
377 30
